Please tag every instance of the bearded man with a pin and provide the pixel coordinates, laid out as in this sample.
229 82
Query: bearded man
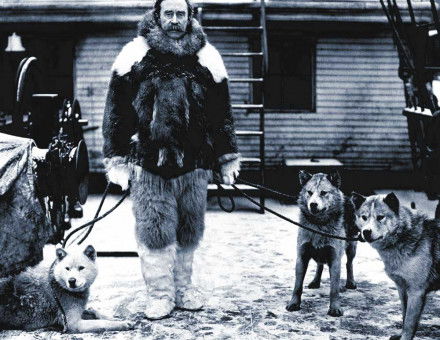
167 124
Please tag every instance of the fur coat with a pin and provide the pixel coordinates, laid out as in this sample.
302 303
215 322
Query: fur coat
168 107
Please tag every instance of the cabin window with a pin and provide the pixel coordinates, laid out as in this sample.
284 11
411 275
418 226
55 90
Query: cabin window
290 82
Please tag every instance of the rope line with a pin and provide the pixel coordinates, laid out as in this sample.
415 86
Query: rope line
258 186
96 219
89 230
290 220
219 200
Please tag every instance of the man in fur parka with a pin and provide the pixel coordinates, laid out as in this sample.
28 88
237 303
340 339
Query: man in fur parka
167 124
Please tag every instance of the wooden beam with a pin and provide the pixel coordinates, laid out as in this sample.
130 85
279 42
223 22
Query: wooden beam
132 11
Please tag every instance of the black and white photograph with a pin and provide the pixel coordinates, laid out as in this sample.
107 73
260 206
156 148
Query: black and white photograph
219 169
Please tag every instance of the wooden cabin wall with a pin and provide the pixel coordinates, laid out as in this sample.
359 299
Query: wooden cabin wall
359 99
94 57
358 120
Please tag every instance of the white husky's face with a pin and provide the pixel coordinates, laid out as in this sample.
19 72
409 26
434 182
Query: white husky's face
376 216
320 193
76 270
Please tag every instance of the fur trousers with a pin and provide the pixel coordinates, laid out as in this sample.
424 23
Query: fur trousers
169 210
169 225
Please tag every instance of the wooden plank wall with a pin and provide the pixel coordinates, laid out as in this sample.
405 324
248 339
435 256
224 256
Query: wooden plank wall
94 57
359 102
359 99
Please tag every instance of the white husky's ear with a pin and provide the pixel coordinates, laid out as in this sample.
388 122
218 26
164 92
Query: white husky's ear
90 252
61 253
304 177
335 179
357 199
392 201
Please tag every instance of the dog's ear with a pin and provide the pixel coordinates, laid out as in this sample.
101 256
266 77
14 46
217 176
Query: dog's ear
357 199
90 252
304 177
335 179
392 201
61 253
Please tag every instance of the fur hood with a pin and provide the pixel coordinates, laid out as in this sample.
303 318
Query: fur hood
193 40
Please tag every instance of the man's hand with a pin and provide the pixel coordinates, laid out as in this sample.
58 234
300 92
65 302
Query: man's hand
230 171
119 175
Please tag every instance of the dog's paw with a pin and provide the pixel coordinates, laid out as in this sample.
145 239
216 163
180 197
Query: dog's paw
293 306
350 285
314 285
89 314
395 337
335 312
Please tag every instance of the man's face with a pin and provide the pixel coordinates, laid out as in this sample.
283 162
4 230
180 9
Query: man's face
174 18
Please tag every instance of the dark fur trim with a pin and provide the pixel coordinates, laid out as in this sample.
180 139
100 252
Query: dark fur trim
221 120
120 119
157 39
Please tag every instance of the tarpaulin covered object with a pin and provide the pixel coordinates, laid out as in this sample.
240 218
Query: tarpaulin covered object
24 224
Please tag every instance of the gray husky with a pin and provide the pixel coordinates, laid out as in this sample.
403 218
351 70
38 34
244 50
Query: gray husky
323 207
409 245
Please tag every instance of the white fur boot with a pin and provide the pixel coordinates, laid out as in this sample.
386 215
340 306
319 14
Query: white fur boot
187 296
157 269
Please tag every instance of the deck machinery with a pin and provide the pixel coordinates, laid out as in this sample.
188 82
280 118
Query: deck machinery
55 126
418 46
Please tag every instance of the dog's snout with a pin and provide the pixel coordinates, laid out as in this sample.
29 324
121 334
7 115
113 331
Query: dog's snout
367 234
314 207
72 282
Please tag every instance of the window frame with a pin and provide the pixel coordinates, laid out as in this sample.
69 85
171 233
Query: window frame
312 40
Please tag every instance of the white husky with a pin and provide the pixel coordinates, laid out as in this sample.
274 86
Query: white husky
54 296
